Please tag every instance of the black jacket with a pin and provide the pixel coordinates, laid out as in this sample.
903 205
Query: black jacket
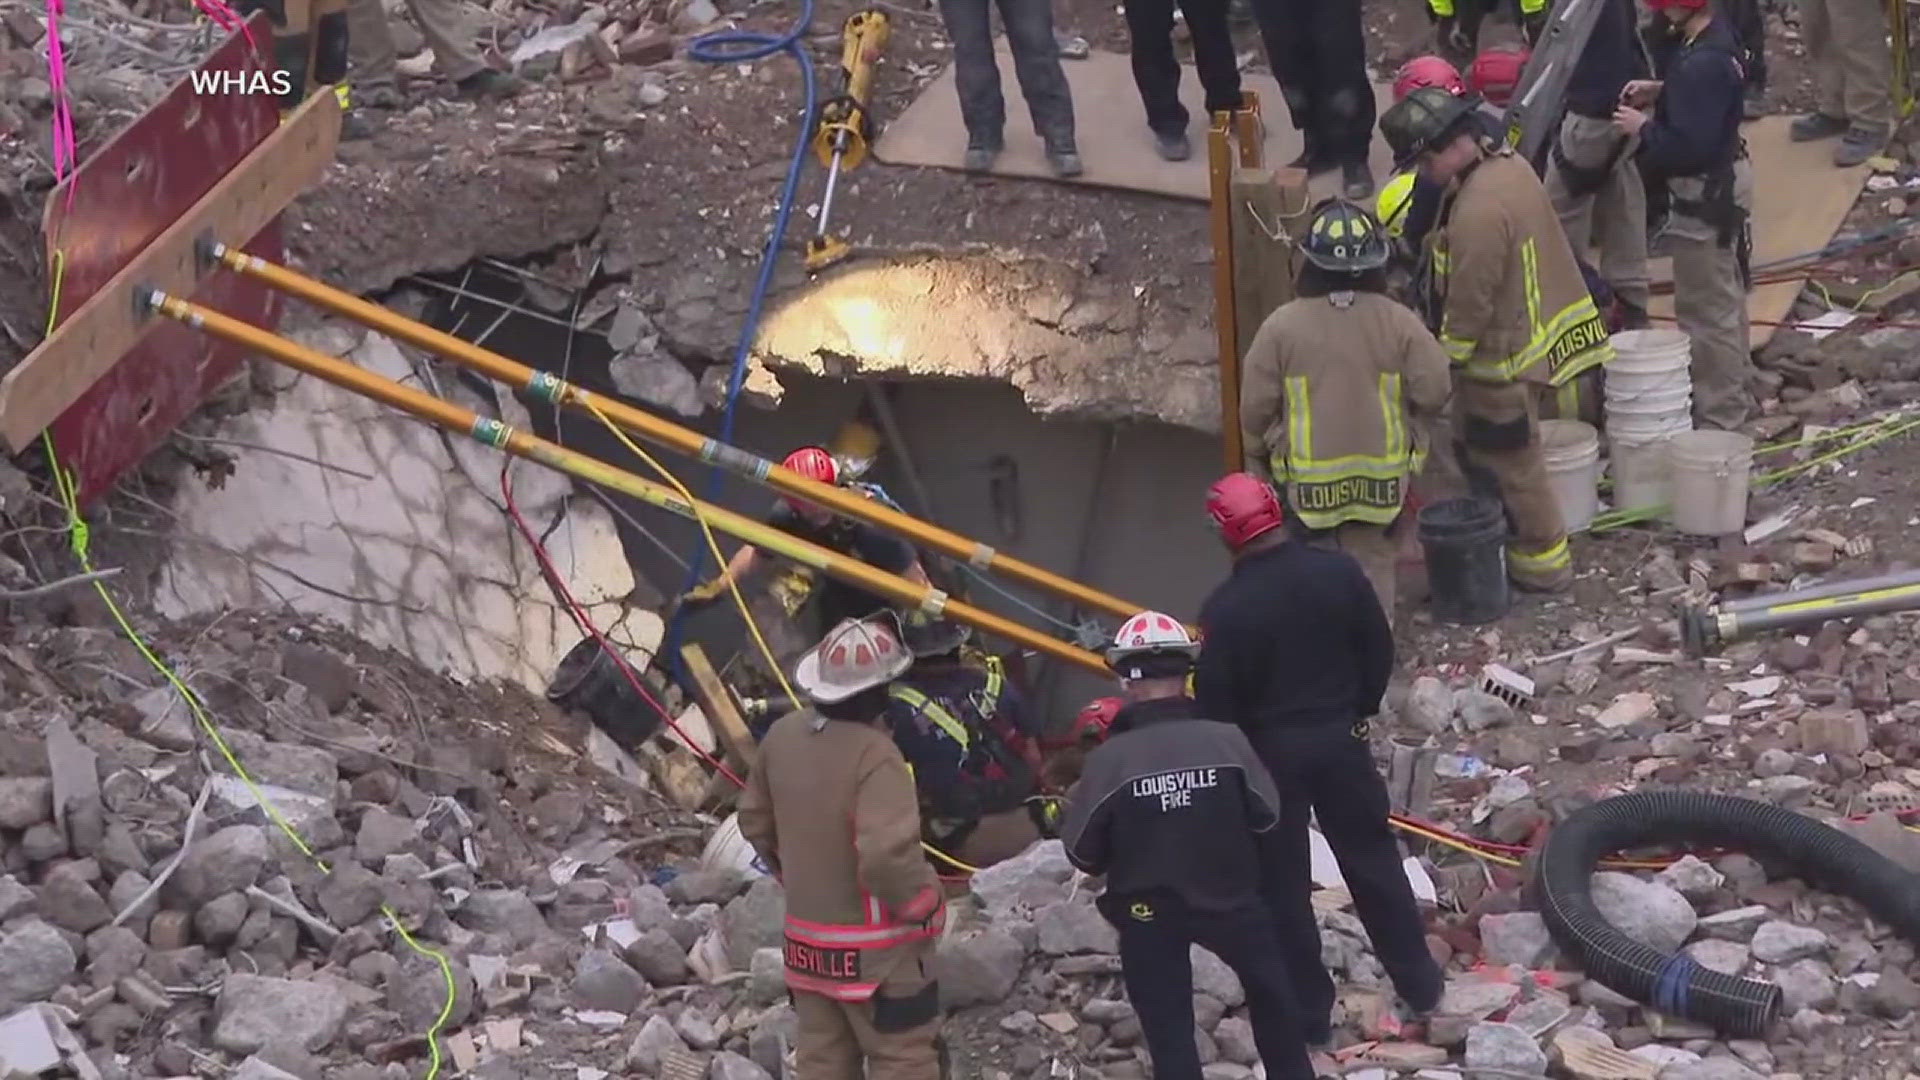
1294 636
1171 803
837 599
1612 57
1696 122
986 775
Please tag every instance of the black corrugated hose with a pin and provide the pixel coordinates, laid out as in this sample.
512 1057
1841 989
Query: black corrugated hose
1676 985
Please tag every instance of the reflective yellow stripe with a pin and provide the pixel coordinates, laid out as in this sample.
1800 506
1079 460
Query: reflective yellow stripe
933 710
1442 8
1577 328
1532 7
1530 279
1556 557
1568 399
1352 487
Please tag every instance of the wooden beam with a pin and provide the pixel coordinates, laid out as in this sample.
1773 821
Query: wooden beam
89 342
1264 202
736 741
1220 229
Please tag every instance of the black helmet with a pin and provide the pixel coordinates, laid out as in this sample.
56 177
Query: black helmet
1344 238
1421 120
926 635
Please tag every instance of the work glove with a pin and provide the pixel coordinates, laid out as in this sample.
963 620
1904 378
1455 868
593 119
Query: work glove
1531 25
1453 37
701 596
1046 812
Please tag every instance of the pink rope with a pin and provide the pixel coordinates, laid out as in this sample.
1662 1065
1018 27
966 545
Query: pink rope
66 153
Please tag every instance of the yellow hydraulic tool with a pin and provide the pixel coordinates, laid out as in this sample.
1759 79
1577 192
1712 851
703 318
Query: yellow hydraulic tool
846 126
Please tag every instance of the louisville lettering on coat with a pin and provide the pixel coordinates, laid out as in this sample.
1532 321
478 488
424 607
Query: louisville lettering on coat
839 965
1175 788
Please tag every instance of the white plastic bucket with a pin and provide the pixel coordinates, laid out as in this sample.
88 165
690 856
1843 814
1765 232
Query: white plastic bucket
1642 471
727 849
1571 450
1650 353
1710 481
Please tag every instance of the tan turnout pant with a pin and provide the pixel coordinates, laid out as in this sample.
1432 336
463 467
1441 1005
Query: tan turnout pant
1852 59
1710 304
373 53
1377 552
1610 219
837 1041
1537 553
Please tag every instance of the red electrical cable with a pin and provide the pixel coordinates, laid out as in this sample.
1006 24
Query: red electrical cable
586 626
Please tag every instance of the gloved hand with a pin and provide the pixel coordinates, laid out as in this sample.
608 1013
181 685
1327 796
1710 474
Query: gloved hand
701 595
1531 24
1046 812
1453 37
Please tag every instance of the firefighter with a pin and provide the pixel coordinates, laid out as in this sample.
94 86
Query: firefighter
830 809
1318 51
1691 145
1338 388
1457 24
1298 652
835 600
1591 174
1409 203
964 729
1495 73
1170 808
1513 313
1065 755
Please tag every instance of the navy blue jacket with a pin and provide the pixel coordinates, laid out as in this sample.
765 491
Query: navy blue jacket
1696 122
1612 58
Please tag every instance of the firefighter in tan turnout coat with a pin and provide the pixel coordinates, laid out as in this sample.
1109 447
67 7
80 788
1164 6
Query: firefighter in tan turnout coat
1337 390
831 809
1512 311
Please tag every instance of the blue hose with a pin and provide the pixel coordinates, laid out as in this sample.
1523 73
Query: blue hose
736 47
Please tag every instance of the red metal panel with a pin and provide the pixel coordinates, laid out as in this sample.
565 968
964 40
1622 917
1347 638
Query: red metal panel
123 197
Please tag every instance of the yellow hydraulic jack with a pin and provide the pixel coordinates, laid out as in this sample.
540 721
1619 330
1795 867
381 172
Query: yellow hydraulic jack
846 126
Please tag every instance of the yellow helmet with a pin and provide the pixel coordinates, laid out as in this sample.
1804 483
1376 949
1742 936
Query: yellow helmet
1396 197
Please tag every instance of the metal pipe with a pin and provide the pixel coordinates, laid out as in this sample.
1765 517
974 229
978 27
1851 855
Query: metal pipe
482 429
1821 592
547 387
1802 612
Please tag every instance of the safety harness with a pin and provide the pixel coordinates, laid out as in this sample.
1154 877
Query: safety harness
986 761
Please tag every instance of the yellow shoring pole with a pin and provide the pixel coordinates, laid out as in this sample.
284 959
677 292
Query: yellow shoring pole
483 429
549 388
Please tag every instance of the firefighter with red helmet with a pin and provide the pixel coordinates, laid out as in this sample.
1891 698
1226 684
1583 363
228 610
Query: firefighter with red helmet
1172 809
971 741
1591 174
1495 73
1065 754
1690 144
1298 653
830 809
1338 389
833 600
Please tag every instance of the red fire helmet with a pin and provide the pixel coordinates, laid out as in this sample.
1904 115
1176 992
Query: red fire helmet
1495 73
1427 71
1242 507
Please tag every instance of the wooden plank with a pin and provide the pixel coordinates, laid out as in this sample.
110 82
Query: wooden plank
1264 202
91 340
717 704
1225 312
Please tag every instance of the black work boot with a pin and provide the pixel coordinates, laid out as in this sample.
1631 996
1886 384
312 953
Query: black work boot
982 152
1816 126
490 84
1356 180
1861 142
1309 157
1173 145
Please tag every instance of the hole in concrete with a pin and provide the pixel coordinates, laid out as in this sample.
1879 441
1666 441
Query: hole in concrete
137 169
146 411
1117 505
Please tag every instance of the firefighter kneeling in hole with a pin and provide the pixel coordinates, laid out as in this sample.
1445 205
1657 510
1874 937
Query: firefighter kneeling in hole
833 600
831 811
968 737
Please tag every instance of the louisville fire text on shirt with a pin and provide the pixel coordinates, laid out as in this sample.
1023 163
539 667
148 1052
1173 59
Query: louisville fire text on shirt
1175 788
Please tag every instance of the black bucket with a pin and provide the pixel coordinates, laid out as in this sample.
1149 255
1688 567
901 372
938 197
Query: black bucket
588 681
1466 546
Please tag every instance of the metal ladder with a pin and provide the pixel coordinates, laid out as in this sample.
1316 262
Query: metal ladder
1532 114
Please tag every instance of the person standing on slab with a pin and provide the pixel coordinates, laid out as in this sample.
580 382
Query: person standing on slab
1036 64
375 59
1853 77
1591 175
1691 145
1750 26
1156 69
1318 51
